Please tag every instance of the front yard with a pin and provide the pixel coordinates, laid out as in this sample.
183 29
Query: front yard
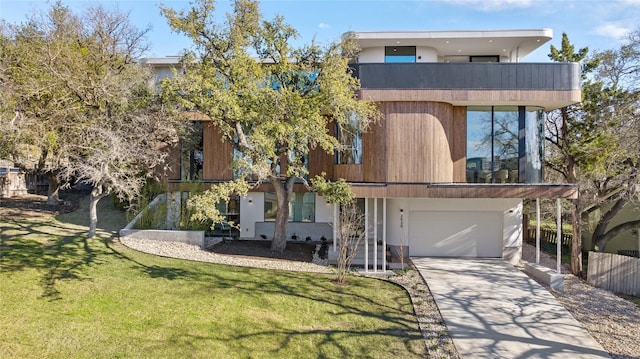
65 296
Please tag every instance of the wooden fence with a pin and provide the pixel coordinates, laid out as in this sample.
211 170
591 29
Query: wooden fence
547 236
615 273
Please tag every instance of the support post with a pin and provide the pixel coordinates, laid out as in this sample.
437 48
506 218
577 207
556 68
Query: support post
384 234
335 225
375 234
366 234
537 230
559 238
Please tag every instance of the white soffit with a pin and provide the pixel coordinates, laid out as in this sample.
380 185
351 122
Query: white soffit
460 43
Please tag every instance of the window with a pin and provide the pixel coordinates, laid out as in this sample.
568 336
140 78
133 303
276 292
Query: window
504 144
400 54
192 158
350 138
484 59
302 207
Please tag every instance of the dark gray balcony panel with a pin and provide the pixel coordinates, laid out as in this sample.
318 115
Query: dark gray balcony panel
485 76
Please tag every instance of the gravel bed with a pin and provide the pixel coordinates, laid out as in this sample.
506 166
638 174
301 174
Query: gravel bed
435 332
195 253
612 321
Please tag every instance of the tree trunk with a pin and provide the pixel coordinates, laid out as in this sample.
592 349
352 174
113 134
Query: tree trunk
600 236
576 239
53 197
96 195
283 194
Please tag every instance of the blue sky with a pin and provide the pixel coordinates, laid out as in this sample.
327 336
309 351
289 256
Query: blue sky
598 24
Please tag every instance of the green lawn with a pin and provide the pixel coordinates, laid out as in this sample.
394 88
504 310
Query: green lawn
65 296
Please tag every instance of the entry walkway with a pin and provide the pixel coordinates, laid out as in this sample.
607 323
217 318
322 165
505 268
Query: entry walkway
493 310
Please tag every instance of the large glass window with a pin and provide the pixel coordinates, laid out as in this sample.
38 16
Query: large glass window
192 158
504 144
534 145
350 138
302 207
400 54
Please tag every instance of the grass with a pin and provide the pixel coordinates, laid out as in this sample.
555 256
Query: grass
65 296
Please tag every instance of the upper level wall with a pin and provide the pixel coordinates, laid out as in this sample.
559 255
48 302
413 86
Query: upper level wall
376 55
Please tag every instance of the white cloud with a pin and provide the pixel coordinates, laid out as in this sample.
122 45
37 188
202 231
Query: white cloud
322 25
613 30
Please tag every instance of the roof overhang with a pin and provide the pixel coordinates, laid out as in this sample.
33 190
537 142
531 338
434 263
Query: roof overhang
464 190
518 43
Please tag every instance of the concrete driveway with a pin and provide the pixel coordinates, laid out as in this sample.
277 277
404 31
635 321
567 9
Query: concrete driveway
493 310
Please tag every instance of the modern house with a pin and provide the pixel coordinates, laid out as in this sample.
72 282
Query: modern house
445 172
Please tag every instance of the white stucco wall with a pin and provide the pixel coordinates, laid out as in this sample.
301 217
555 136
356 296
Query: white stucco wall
376 54
251 211
324 210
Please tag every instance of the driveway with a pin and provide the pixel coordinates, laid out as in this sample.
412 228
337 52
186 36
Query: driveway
493 310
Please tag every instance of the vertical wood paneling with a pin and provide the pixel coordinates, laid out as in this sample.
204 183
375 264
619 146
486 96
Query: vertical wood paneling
172 171
613 272
321 161
218 155
458 142
418 141
374 152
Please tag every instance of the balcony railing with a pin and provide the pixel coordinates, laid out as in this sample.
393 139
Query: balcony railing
471 76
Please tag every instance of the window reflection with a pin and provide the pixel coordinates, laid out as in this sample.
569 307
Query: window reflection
350 138
192 158
495 150
302 207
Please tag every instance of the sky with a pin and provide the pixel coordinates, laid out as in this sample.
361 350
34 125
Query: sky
597 24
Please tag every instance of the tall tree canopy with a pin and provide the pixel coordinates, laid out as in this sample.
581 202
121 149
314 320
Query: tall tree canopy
595 143
80 108
272 101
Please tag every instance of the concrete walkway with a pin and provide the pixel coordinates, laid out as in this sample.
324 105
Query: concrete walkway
493 310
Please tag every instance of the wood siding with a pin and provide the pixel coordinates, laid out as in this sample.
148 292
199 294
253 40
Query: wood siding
217 154
321 161
374 153
172 171
548 99
458 140
417 141
351 173
420 190
615 273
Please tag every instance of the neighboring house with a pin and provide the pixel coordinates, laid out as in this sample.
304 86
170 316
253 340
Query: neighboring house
627 242
12 180
444 173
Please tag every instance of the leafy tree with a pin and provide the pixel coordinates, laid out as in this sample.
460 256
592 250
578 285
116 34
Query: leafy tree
273 102
84 107
613 186
595 143
574 139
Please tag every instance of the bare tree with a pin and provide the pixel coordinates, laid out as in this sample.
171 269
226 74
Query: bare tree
351 232
86 110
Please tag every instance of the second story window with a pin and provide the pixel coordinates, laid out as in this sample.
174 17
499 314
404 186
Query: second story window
350 138
192 160
399 54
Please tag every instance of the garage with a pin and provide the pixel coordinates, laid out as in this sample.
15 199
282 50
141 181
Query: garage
455 234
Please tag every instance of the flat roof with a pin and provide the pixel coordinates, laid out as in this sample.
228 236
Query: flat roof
460 42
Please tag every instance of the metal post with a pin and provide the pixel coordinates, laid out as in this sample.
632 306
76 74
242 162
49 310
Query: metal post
366 234
335 225
375 234
537 230
559 238
384 234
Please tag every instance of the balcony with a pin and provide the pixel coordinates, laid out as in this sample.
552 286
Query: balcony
469 76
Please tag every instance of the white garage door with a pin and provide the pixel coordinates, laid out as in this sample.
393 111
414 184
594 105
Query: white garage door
455 234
